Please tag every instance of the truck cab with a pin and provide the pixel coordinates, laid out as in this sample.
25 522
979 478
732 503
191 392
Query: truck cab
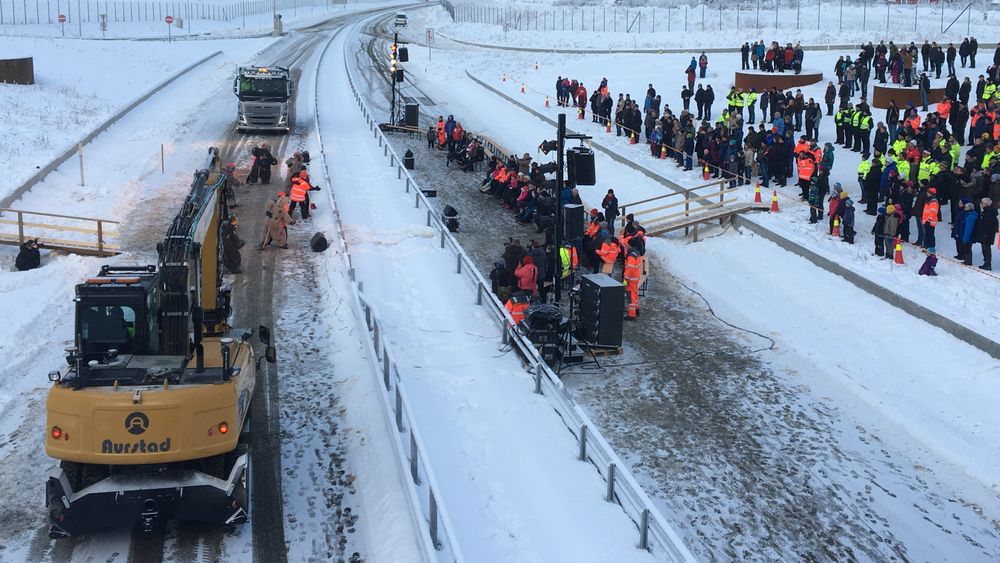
400 20
265 97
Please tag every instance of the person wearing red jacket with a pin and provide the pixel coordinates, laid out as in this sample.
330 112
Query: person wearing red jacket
527 276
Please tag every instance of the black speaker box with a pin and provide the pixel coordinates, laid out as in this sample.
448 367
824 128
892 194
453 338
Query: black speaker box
572 221
412 115
580 165
602 310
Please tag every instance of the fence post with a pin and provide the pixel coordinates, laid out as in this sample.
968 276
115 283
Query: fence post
399 172
79 152
428 217
408 188
20 227
399 410
538 378
644 530
458 264
433 519
386 365
100 238
479 294
583 442
442 238
416 199
413 459
376 338
611 483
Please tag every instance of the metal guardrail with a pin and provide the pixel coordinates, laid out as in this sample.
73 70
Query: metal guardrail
655 534
439 537
93 229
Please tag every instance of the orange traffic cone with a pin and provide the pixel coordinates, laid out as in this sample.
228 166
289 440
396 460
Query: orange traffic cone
546 102
631 139
579 113
774 202
522 87
705 173
836 226
898 258
663 152
756 194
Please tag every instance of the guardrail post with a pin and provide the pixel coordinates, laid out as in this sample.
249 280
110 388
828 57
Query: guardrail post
20 227
611 483
385 149
399 410
416 199
458 263
583 442
687 207
644 530
479 294
379 140
350 273
376 338
368 317
399 172
538 378
408 190
413 459
392 158
434 519
428 217
386 365
442 238
100 238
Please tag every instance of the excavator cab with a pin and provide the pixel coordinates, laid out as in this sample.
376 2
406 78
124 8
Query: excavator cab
117 311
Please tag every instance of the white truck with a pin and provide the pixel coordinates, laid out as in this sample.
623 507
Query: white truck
265 97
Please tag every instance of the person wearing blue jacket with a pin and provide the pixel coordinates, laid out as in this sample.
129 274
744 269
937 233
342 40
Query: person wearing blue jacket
962 231
779 123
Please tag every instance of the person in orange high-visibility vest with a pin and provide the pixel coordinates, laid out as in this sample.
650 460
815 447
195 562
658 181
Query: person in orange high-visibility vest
807 165
930 217
299 195
517 305
442 138
608 252
633 270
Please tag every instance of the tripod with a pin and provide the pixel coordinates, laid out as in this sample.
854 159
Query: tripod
566 345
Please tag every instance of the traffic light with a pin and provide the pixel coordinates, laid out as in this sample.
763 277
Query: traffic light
404 56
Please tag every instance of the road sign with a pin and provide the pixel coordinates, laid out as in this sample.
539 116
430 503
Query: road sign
62 18
430 35
169 19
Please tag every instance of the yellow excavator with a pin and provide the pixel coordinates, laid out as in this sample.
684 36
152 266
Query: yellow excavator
149 418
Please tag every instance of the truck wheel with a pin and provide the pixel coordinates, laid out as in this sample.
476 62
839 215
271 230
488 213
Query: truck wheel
74 473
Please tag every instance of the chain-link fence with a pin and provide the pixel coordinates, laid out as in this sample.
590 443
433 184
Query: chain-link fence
22 12
932 18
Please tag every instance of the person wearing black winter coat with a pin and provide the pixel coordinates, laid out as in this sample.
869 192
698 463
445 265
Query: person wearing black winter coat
985 231
709 100
28 257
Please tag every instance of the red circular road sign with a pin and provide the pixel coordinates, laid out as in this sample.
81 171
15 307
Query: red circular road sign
62 18
169 19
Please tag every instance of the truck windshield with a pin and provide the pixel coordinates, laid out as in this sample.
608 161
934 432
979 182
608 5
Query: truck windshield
103 327
263 88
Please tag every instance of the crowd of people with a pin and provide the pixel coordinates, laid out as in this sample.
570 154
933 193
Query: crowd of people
774 58
909 161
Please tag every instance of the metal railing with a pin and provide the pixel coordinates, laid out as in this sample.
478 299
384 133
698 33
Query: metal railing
425 493
38 225
654 533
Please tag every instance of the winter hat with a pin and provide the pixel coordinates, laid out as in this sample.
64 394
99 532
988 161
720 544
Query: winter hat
932 191
969 206
965 201
837 186
890 209
593 212
881 210
528 260
986 202
931 250
843 195
849 202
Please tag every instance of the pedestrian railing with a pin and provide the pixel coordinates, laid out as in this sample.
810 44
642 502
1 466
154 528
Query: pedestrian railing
67 233
663 213
655 534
